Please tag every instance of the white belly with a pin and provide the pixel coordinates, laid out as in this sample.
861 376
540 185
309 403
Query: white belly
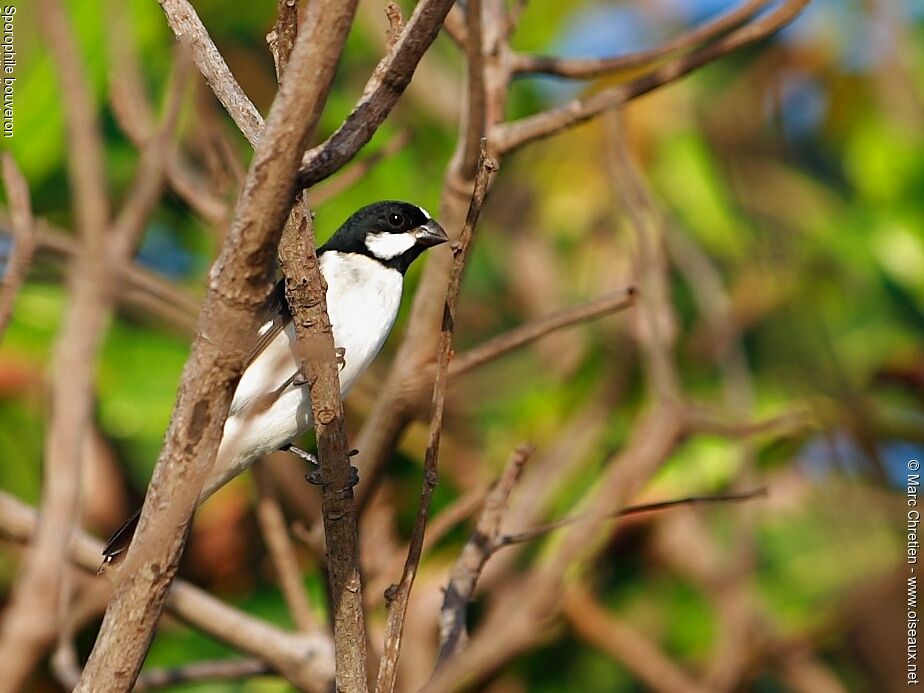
363 298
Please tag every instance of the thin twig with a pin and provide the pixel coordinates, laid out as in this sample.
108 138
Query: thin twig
588 68
400 594
477 550
515 134
281 39
542 530
22 239
513 339
219 670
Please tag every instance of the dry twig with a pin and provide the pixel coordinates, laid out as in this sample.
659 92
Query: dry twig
401 593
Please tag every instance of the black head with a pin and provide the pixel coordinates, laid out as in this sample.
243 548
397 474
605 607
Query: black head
394 233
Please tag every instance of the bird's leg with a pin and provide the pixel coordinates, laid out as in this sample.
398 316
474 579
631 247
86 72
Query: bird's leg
340 353
314 477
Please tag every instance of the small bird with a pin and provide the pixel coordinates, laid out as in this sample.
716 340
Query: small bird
363 264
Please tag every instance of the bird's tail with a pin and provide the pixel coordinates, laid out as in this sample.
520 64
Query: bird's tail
119 542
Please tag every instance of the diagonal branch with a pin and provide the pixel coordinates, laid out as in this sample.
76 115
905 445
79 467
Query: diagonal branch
191 32
388 81
400 594
513 339
515 134
588 68
477 550
240 283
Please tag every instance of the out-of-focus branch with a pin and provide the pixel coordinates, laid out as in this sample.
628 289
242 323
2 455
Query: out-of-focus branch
32 619
513 339
305 659
397 608
220 670
625 645
240 283
536 532
22 238
276 535
474 121
477 550
191 32
512 135
588 68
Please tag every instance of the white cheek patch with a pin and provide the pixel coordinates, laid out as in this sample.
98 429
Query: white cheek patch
386 246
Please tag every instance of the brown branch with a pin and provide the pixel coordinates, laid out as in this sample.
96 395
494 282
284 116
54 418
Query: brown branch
542 530
474 111
513 339
588 68
454 26
400 594
23 237
305 659
282 552
240 283
395 24
388 81
330 188
477 550
32 618
191 32
281 39
625 645
220 670
512 135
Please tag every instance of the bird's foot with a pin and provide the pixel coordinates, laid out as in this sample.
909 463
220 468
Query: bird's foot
314 477
340 354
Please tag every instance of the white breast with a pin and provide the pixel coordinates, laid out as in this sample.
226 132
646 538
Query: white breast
363 298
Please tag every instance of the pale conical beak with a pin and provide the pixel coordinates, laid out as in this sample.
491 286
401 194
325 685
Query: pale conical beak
430 234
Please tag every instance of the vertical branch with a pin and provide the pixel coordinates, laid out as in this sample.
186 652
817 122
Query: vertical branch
400 593
23 239
240 283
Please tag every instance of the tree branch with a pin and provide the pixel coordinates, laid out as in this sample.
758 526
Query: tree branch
588 68
477 550
23 237
191 32
513 339
400 594
219 670
513 135
241 280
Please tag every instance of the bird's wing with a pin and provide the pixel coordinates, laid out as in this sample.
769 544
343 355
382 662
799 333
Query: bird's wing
276 318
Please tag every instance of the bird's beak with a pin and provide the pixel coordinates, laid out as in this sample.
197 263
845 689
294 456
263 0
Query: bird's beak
430 234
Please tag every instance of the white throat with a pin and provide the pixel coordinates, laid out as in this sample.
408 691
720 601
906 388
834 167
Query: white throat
386 246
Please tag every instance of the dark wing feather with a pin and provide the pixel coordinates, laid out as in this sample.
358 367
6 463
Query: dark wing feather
277 313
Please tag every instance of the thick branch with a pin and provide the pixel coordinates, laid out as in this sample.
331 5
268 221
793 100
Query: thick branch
400 593
240 283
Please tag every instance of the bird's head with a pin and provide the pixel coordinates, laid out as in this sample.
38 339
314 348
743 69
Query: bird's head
394 233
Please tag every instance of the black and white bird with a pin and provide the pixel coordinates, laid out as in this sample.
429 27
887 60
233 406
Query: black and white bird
363 264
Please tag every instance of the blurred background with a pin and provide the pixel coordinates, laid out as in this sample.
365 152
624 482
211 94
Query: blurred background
788 181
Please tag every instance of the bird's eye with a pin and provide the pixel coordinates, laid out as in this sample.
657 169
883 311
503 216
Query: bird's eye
396 219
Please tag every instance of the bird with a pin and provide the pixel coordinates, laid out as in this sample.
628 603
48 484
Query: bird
363 264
